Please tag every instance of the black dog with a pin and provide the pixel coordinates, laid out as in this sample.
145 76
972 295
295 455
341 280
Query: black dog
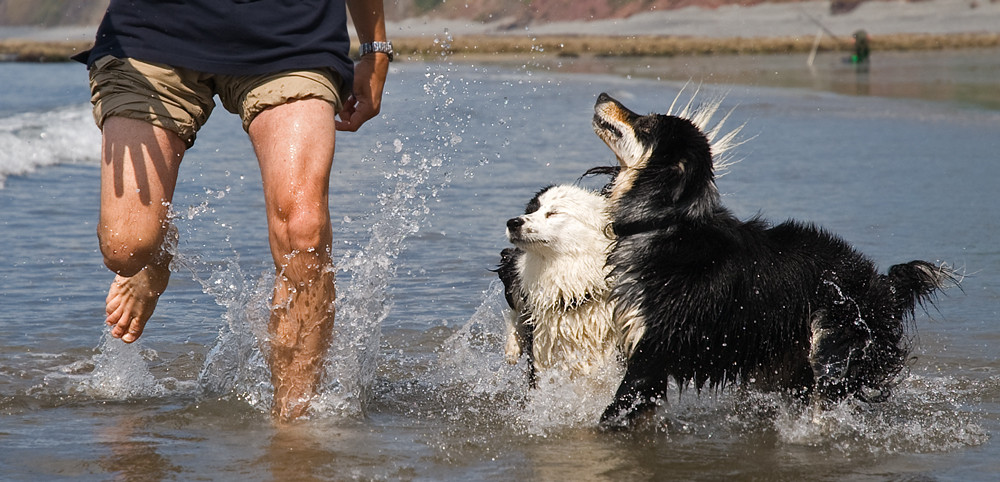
710 299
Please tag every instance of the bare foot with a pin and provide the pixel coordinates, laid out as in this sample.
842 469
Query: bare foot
131 301
297 353
301 330
289 406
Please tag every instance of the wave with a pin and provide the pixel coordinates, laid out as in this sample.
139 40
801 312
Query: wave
33 140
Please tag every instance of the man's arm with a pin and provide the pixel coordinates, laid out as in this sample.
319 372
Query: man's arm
371 71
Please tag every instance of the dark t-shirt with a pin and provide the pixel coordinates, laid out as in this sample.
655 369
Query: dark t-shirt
235 37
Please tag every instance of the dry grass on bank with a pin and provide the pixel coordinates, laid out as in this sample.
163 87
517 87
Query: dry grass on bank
585 45
16 50
621 46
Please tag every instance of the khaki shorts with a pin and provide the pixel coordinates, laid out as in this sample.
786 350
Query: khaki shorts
180 100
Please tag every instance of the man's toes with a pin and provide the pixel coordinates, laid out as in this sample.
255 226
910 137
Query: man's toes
115 315
134 331
118 329
120 321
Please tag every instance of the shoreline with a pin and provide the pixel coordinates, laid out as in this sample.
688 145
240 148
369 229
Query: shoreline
513 46
486 46
766 28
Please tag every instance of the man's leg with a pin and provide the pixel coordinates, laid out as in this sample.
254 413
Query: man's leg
294 143
139 164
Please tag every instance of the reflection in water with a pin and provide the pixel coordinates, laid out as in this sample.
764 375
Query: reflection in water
586 455
336 450
296 453
132 454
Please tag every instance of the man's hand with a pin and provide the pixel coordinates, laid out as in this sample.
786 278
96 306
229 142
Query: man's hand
366 101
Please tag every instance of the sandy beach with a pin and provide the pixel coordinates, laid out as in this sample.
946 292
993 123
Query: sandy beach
764 28
764 20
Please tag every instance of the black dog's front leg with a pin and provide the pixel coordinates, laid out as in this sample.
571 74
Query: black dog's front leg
636 396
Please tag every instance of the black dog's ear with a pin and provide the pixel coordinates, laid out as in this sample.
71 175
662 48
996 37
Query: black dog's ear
611 171
601 170
680 171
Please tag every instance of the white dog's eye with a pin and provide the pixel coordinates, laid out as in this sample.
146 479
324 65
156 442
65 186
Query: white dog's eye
551 213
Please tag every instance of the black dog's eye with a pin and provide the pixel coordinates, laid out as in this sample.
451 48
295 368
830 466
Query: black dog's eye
615 131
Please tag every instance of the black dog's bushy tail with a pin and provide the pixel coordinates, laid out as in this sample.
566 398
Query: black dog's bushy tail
915 282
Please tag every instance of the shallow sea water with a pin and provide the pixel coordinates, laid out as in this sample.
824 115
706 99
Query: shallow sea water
416 387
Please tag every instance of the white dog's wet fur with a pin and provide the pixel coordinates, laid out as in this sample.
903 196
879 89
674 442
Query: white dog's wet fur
561 286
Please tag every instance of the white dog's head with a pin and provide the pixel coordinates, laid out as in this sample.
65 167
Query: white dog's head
561 220
556 280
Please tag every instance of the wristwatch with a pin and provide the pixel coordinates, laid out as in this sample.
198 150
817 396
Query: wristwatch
372 47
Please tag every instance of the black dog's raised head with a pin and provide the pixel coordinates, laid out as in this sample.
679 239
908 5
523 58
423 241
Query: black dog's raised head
636 139
659 154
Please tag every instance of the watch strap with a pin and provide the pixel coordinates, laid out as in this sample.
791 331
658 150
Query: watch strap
372 47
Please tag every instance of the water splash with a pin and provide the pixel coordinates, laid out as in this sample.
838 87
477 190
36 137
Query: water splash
925 415
443 43
121 371
38 139
559 402
363 295
471 362
414 175
236 366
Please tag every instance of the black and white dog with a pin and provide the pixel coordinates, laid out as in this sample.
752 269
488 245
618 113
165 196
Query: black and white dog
706 298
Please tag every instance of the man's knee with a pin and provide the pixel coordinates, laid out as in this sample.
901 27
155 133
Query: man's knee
304 231
127 257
